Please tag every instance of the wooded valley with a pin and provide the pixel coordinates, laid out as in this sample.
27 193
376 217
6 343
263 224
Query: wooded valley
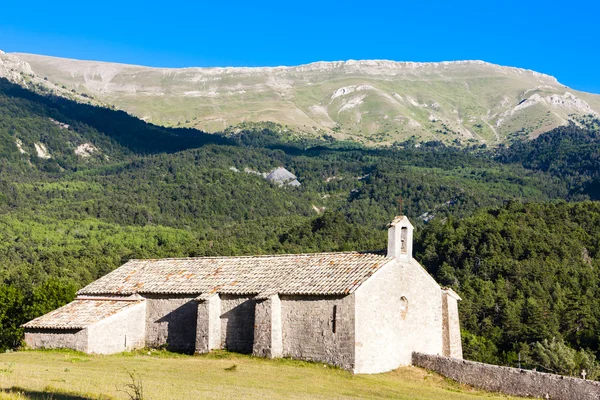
514 230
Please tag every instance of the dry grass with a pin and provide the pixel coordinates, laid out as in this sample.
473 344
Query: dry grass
65 375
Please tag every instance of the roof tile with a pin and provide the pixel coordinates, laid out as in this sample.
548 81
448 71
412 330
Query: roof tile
81 313
319 273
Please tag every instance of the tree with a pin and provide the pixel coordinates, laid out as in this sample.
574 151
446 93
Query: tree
11 317
556 357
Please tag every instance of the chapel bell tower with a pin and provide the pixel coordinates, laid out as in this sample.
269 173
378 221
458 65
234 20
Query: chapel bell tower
400 238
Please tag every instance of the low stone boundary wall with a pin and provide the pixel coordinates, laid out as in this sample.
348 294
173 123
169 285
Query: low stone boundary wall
512 381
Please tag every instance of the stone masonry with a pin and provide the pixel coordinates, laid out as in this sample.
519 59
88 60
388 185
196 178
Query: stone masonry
208 327
319 328
267 327
171 322
511 381
123 331
92 325
237 323
76 339
451 325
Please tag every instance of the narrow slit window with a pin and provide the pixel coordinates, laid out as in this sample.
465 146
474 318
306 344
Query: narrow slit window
404 240
334 319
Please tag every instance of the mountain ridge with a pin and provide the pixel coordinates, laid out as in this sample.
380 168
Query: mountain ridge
376 102
309 65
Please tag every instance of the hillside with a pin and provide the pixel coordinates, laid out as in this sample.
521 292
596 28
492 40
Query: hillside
570 152
69 216
73 376
374 101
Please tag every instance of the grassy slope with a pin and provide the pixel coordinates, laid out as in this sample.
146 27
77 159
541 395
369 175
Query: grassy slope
471 98
168 376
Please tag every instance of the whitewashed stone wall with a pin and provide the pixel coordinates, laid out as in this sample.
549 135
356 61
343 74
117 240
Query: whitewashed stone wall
123 331
237 323
398 311
57 339
423 327
171 322
378 322
319 329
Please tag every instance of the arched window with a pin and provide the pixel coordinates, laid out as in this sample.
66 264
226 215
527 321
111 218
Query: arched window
403 307
404 240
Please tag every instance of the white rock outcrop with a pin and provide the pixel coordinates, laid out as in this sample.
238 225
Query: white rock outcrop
42 151
19 144
85 150
567 101
282 176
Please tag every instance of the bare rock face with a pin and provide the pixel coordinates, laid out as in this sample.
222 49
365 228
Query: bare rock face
12 67
19 144
19 71
282 176
86 150
42 151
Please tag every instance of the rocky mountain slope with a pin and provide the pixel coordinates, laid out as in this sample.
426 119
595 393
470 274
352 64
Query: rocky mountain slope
373 101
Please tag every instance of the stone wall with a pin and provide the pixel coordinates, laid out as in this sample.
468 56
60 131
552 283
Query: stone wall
237 323
76 339
451 324
208 327
319 329
171 322
422 331
398 309
511 381
267 328
123 331
378 322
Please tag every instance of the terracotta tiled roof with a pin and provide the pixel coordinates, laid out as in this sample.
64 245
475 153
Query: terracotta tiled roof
320 273
80 314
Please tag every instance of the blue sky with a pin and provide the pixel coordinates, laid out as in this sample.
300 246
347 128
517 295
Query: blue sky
558 38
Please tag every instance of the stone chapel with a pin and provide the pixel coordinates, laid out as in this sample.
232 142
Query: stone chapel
363 311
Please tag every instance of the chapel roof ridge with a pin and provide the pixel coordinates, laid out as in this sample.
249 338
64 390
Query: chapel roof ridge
325 253
307 273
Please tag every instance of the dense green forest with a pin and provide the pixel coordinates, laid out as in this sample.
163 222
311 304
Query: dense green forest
570 152
512 230
526 272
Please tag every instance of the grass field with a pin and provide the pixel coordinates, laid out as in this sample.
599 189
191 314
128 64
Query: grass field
66 375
